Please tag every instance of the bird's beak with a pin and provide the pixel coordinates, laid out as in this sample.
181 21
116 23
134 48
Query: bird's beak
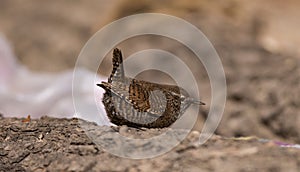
198 102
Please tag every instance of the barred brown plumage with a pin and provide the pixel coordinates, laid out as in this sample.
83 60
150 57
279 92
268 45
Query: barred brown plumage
139 103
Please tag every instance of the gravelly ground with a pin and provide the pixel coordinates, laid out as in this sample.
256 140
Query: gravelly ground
51 144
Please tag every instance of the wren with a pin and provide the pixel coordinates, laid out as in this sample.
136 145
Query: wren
138 103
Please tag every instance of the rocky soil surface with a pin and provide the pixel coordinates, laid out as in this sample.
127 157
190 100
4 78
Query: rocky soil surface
51 144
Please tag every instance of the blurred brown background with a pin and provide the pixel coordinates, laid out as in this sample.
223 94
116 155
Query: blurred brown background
258 43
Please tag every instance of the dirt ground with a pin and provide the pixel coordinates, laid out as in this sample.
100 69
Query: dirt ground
51 144
258 43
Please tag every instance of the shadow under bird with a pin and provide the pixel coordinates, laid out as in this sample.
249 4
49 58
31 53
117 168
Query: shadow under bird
138 103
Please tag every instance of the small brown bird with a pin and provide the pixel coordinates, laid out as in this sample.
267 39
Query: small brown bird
138 103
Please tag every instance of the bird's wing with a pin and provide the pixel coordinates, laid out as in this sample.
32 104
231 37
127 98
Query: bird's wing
132 94
139 97
147 98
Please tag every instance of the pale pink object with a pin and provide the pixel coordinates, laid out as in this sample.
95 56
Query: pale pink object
23 92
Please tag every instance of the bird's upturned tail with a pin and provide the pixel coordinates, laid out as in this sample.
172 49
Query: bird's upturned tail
118 69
